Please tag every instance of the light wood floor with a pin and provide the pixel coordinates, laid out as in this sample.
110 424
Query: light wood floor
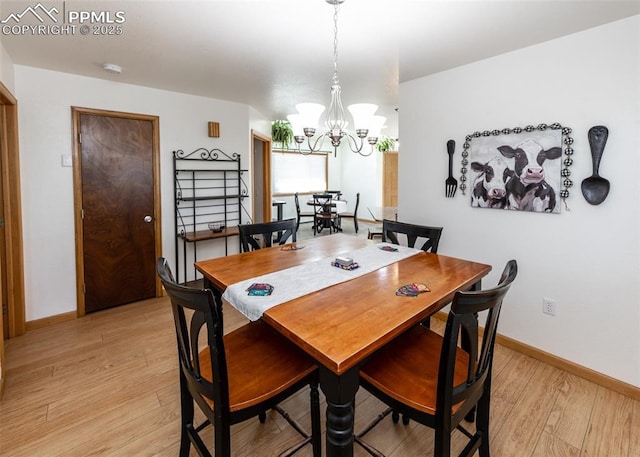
107 385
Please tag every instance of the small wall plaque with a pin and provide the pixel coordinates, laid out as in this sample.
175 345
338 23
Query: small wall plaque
214 129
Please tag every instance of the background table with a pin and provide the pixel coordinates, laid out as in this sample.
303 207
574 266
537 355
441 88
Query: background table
278 204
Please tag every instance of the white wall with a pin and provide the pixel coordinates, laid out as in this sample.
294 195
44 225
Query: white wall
45 99
364 175
6 70
587 258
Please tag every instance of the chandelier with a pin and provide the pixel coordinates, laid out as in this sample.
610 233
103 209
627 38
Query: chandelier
366 123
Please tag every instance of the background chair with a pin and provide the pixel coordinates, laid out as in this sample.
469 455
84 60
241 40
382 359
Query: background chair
283 229
233 377
353 215
301 214
335 194
324 216
432 380
391 229
376 231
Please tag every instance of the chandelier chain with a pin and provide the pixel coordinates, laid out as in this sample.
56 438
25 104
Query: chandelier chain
336 6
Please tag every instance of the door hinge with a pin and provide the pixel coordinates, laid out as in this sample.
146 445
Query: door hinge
82 214
5 309
80 138
1 222
84 289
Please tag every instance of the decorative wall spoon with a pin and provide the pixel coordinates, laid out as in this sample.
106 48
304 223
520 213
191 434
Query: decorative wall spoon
596 188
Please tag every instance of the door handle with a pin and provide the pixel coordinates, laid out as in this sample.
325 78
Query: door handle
148 219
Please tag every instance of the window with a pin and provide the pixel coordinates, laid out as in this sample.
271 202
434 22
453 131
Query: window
294 172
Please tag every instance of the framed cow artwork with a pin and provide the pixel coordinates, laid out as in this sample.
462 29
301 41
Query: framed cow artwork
522 169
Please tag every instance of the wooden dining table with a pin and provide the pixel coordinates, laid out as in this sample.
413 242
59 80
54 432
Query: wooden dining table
342 325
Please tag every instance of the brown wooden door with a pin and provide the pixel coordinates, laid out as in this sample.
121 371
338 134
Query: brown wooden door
261 169
117 210
390 179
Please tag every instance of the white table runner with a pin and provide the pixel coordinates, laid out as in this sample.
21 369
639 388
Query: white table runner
307 278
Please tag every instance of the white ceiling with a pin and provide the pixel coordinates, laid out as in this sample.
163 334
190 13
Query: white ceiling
272 54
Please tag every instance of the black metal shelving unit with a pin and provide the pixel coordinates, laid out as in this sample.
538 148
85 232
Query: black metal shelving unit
209 189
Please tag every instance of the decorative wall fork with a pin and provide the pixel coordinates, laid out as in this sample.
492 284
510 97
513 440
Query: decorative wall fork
450 184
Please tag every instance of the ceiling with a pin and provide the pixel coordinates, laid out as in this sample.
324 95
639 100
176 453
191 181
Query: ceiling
272 54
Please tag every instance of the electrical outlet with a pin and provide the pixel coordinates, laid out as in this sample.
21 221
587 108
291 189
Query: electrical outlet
549 306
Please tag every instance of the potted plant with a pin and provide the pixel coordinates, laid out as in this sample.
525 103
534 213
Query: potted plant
282 133
386 144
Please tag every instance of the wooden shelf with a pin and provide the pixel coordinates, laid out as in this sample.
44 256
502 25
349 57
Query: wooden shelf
201 235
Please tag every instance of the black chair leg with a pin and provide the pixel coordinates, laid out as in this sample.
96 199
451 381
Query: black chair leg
316 433
482 423
442 445
187 412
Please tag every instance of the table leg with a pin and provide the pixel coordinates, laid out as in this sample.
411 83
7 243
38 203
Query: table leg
340 392
278 218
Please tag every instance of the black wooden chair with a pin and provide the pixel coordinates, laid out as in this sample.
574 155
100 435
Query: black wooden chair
283 230
300 214
236 376
391 229
429 378
348 215
325 216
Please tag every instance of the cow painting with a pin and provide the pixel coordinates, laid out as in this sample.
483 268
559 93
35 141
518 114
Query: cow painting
517 171
529 191
489 187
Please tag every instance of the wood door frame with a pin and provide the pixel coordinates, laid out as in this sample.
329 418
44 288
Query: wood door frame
13 262
76 112
12 206
266 172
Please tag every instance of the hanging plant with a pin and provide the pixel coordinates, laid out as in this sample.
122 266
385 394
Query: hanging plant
386 144
282 133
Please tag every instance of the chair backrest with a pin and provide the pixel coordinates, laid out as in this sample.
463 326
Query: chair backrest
391 229
355 211
205 314
322 203
285 228
335 193
463 323
297 199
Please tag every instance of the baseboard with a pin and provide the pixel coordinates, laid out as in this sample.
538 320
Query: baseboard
50 320
586 373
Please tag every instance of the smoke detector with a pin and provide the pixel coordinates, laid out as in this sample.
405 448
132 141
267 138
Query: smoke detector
112 68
